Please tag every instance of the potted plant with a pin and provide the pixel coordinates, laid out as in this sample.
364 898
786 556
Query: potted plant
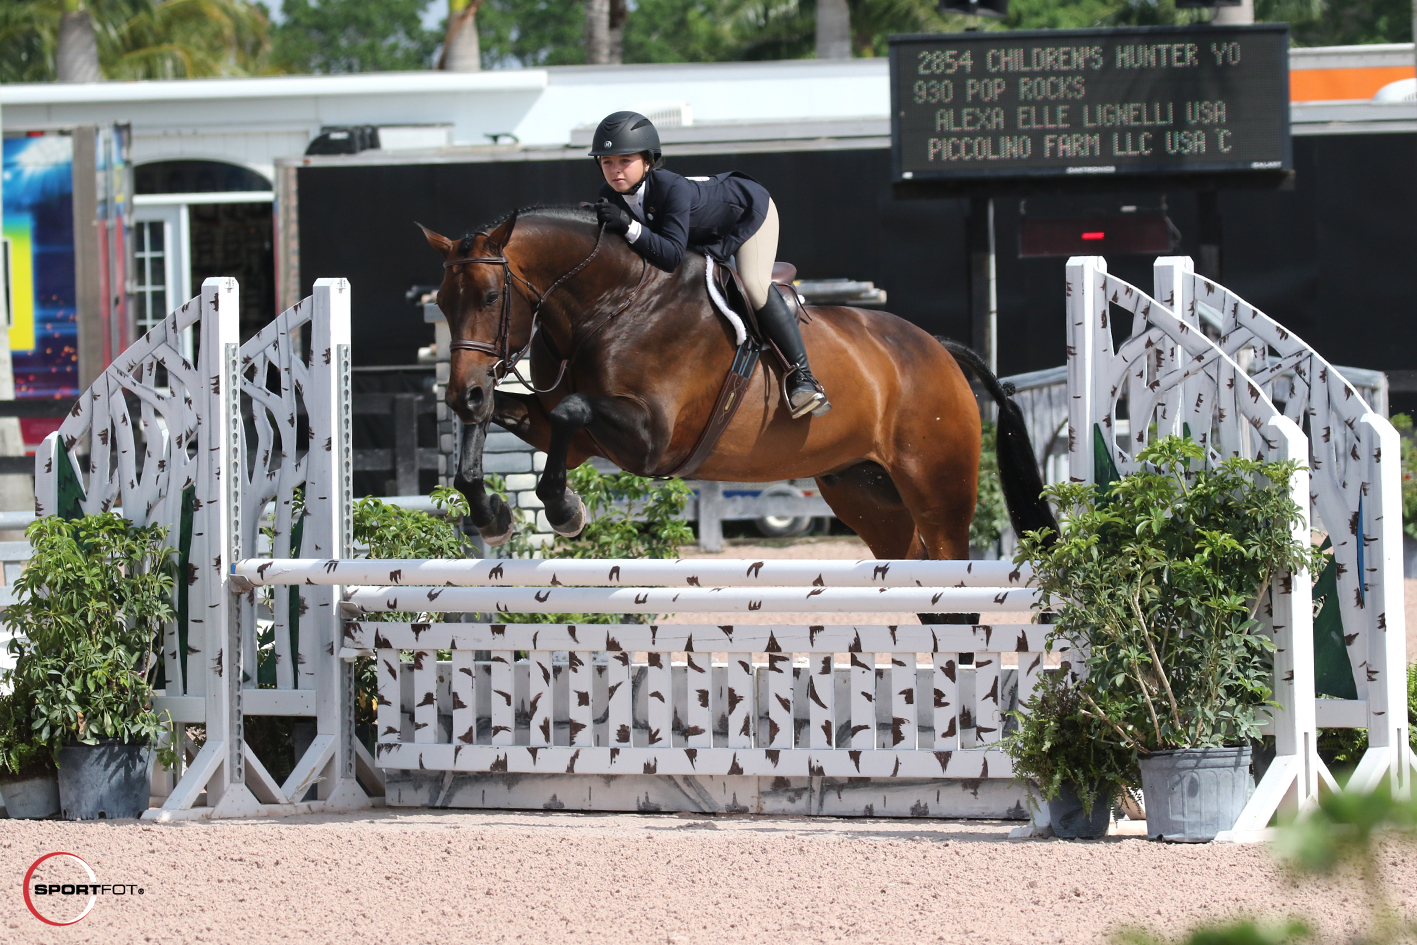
1070 757
28 781
92 605
1157 579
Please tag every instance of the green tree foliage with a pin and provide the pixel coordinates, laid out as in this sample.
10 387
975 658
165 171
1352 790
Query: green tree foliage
93 604
991 512
1340 22
547 32
338 36
141 39
531 33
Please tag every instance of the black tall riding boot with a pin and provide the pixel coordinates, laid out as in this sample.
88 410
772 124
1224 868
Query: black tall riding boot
804 394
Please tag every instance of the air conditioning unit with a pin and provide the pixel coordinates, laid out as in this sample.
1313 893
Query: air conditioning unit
668 114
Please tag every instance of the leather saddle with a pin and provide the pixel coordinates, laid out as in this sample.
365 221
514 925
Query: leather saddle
745 361
731 285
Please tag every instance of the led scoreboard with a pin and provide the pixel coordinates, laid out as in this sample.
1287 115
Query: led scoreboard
1121 101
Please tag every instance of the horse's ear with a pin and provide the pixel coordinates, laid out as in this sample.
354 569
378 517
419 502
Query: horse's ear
502 235
436 240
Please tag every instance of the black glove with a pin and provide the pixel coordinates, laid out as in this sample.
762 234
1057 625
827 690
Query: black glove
612 217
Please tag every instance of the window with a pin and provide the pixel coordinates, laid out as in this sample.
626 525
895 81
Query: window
150 272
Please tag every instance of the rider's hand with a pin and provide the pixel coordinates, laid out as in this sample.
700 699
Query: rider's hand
612 217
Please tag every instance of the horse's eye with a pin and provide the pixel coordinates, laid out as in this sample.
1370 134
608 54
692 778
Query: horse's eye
491 296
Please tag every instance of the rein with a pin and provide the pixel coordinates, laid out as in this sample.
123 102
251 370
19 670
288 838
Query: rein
500 347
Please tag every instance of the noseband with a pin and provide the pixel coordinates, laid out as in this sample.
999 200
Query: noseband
500 347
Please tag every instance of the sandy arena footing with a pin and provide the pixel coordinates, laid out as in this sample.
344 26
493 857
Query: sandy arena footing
418 877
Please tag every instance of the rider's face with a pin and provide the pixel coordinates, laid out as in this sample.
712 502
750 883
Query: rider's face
623 172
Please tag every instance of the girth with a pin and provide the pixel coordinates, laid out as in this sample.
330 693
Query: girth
725 407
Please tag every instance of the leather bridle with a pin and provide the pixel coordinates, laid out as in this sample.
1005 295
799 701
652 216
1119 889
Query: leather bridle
500 347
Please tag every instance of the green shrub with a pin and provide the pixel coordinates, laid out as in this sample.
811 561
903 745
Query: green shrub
991 513
391 531
394 532
22 754
1057 742
93 603
1403 423
1158 575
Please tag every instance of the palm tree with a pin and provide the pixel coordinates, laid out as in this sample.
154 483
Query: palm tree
89 40
461 52
77 56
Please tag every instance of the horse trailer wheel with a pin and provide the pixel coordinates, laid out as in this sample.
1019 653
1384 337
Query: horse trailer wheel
783 526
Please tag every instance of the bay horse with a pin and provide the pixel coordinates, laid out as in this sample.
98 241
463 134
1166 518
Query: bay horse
627 362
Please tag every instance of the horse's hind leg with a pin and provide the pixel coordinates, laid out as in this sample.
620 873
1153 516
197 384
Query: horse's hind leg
866 499
885 526
564 509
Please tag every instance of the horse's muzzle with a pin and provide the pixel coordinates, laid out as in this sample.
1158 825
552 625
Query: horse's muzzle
476 403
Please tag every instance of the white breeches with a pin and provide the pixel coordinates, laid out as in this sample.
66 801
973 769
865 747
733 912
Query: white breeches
755 258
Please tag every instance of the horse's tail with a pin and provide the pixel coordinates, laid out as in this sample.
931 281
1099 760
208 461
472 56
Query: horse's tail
1018 470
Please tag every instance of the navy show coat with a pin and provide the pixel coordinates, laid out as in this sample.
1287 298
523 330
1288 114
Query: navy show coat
714 215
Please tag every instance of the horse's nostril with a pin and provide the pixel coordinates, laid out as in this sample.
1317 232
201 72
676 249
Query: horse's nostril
474 397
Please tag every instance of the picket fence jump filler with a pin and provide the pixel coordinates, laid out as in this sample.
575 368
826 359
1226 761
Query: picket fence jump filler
702 717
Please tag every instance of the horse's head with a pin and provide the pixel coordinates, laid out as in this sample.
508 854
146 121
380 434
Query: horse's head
485 314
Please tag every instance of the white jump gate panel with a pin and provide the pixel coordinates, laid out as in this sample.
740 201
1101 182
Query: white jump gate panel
1355 478
783 721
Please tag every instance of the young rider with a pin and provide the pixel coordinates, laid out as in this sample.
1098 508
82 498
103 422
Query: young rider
726 216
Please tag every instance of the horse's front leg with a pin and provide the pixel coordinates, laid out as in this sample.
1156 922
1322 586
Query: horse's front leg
564 509
486 509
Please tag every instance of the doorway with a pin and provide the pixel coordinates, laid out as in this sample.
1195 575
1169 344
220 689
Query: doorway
197 219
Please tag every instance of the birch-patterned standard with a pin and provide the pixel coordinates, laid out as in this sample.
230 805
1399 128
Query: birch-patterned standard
1355 476
1167 378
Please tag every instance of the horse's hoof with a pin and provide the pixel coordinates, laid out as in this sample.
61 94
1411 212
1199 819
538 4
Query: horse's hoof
493 541
575 524
500 530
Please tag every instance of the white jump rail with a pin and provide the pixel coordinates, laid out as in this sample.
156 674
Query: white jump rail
1174 380
588 572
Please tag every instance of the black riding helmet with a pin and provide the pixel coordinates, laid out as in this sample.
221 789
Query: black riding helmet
626 133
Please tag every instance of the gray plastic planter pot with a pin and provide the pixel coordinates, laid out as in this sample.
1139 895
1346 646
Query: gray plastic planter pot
104 781
1192 794
32 798
1065 813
